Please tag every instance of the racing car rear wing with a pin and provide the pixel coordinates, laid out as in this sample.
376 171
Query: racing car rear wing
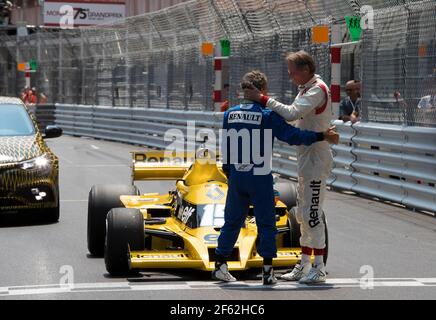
162 165
159 165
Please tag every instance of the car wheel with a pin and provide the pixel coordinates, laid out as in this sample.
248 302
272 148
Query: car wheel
292 239
287 192
326 250
125 228
103 198
51 215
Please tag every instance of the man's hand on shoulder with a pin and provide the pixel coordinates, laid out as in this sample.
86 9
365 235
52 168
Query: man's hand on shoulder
331 135
251 93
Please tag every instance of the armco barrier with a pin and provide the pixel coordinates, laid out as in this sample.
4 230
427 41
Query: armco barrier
44 113
344 158
139 126
394 163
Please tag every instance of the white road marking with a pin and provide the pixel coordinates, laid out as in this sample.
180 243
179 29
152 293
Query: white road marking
94 147
209 285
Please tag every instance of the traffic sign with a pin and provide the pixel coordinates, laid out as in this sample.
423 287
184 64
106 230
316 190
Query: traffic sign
320 34
33 65
353 24
225 47
207 48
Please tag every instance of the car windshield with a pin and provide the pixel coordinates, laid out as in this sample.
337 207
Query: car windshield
15 121
210 215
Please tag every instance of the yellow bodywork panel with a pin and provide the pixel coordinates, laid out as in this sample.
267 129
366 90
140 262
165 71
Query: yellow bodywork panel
211 192
149 200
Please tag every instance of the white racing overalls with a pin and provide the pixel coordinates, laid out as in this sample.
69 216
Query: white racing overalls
311 110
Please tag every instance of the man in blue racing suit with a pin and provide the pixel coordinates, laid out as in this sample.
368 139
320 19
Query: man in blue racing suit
251 129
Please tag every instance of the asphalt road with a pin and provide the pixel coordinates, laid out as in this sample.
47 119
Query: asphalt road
392 248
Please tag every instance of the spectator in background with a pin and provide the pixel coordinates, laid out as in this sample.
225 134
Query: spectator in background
426 106
349 108
405 111
23 95
5 12
31 97
428 102
42 98
225 105
35 95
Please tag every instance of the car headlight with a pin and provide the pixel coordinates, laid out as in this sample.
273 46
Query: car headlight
36 163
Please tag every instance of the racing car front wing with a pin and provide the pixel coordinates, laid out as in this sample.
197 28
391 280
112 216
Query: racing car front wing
182 259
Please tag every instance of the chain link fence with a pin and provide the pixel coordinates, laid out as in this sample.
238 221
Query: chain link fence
154 60
399 65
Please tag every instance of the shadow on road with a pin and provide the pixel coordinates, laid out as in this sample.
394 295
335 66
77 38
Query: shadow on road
23 219
155 275
252 278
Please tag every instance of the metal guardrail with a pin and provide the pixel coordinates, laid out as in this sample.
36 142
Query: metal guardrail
394 163
137 126
44 114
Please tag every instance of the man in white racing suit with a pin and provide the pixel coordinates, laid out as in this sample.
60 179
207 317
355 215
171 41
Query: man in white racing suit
312 111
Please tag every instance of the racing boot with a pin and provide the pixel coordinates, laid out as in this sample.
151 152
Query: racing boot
268 276
221 272
297 273
316 275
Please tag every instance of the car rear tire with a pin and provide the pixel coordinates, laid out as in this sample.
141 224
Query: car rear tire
103 198
287 192
125 228
326 249
292 239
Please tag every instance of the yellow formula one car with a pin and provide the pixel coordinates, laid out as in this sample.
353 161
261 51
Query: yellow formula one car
179 229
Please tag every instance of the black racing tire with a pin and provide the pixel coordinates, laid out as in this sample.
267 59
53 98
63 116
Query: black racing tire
326 249
51 215
292 238
125 228
287 192
103 198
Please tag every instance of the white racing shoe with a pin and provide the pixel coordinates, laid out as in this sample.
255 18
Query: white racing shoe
222 274
316 275
297 273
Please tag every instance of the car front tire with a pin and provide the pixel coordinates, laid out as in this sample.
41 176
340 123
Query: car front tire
103 198
124 230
